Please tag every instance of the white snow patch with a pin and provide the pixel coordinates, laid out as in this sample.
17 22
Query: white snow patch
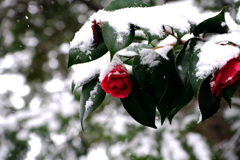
224 38
98 153
82 72
83 38
129 50
172 148
93 94
14 83
213 56
121 20
166 43
179 68
35 146
108 66
148 57
232 25
187 37
198 144
55 85
238 14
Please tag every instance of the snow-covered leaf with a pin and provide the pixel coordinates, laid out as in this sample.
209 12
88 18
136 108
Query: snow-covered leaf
126 55
119 4
215 24
114 40
84 81
77 56
183 60
151 72
194 80
91 97
140 106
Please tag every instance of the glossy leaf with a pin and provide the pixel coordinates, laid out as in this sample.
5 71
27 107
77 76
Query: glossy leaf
114 40
139 105
185 97
215 24
208 103
152 80
119 4
91 97
76 56
176 95
194 80
183 60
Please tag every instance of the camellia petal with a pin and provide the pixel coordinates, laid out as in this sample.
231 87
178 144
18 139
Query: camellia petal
226 76
117 82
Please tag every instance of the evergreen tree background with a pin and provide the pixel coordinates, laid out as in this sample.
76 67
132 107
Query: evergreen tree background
39 116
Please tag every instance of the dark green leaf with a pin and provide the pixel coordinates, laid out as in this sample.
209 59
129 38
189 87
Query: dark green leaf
116 41
85 81
176 95
215 24
140 106
228 93
184 58
76 56
194 80
91 97
208 103
152 80
119 4
184 98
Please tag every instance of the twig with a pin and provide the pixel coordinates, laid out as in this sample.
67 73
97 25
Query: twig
128 59
172 44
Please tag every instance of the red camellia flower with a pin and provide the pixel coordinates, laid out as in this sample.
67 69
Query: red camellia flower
228 75
117 82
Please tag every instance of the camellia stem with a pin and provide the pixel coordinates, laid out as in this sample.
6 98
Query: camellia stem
129 59
173 44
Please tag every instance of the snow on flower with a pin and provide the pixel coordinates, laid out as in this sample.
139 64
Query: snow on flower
104 70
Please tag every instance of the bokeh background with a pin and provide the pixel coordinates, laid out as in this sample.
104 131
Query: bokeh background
39 115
